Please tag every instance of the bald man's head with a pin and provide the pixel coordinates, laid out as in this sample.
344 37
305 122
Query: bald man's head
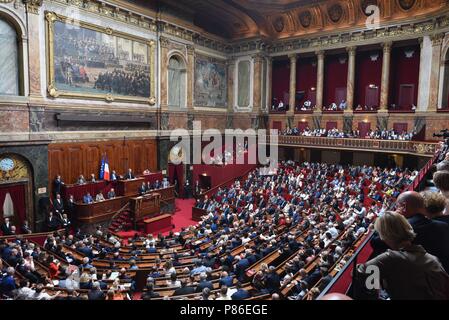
411 202
335 296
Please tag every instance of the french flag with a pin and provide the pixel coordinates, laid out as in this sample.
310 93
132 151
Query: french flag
106 175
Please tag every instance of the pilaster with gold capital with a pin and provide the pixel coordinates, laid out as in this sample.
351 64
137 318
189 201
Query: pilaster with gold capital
385 78
190 75
351 78
320 79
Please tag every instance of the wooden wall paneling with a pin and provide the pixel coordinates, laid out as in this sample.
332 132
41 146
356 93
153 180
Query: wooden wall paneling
72 159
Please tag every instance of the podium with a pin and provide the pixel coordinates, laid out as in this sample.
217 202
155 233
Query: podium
129 187
146 205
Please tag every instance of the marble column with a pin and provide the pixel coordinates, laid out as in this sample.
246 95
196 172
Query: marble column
163 77
231 74
385 81
320 80
292 90
351 79
257 81
434 84
231 84
269 82
190 75
34 52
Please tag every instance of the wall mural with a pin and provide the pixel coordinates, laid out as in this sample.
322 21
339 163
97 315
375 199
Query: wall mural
95 62
210 82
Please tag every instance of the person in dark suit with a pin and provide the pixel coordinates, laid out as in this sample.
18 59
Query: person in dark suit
25 229
6 227
58 205
57 184
240 267
204 283
143 189
95 293
184 289
148 293
70 206
241 293
187 190
272 280
53 222
111 194
114 176
433 235
129 175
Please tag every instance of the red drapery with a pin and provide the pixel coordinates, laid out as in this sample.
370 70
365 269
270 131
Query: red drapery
280 80
18 196
277 125
364 127
335 78
404 71
177 172
331 125
306 72
368 72
302 125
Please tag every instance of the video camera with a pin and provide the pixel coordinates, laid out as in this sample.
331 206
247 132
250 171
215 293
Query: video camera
443 134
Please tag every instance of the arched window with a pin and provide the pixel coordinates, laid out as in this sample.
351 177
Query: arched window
176 82
9 57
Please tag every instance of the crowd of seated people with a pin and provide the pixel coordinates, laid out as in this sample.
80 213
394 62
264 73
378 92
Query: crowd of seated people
334 107
336 133
306 106
275 235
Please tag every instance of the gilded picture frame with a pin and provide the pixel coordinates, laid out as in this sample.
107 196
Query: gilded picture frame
53 87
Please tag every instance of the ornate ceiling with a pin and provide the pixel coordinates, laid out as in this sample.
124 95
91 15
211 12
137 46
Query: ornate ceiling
278 19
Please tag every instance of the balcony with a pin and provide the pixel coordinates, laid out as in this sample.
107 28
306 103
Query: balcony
421 148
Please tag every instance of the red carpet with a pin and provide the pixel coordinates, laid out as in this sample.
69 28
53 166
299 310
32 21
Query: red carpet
181 218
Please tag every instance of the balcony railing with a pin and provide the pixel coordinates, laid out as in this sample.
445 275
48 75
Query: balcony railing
423 148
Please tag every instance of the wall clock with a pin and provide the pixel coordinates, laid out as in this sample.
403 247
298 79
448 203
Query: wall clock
7 164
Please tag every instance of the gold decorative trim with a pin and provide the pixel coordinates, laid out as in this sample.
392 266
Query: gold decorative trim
53 91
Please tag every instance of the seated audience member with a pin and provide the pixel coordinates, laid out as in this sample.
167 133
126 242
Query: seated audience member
129 175
81 180
25 229
114 176
433 235
148 292
87 199
8 284
435 204
146 171
96 293
6 227
441 181
157 185
407 270
223 295
92 178
142 189
40 293
204 283
99 197
165 183
184 289
241 293
111 194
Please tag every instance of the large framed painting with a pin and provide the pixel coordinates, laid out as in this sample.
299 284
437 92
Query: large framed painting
210 82
88 61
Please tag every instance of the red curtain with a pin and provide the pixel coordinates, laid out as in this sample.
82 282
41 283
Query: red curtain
280 80
331 125
302 125
400 127
368 72
18 195
335 76
277 125
177 172
306 73
404 70
364 127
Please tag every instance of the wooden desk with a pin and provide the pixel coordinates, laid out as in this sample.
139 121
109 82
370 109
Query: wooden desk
80 190
145 205
129 187
98 211
160 223
197 213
